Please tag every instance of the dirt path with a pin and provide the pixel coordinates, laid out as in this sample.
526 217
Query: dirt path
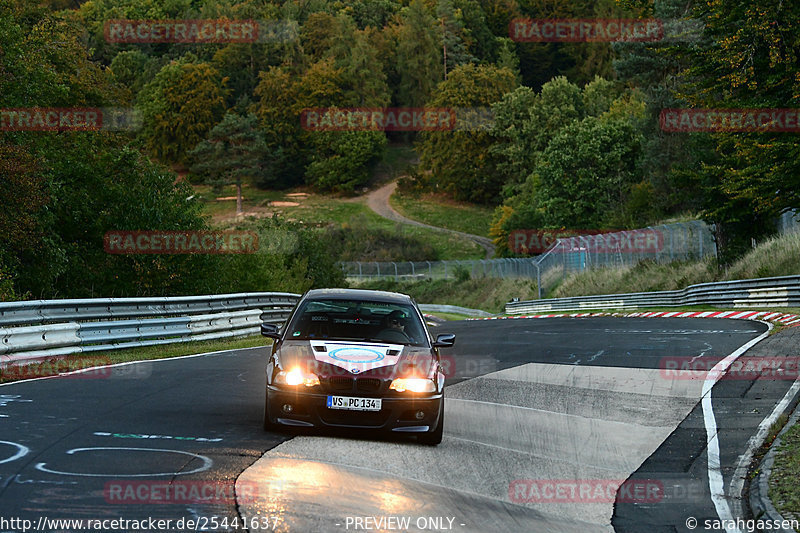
378 201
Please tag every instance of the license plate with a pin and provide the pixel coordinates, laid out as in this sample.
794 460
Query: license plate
354 404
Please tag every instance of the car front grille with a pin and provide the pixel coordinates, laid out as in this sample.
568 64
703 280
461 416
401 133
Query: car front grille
339 384
344 385
368 385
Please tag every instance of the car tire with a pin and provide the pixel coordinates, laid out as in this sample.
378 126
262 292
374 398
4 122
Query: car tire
268 426
433 438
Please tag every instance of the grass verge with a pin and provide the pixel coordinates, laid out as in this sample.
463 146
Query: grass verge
784 491
644 277
489 294
55 366
444 213
775 257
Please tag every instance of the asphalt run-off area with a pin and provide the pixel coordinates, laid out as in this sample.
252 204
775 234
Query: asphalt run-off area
551 425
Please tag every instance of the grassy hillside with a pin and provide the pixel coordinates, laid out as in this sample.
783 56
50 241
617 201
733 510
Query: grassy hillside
437 210
357 233
778 256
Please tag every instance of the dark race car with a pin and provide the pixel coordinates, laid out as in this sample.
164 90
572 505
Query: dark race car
350 358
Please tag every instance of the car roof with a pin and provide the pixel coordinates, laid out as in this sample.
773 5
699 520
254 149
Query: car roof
358 294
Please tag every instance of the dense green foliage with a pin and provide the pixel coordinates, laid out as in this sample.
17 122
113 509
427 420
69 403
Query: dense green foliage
574 140
233 153
62 191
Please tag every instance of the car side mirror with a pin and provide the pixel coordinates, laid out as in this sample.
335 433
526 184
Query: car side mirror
445 340
270 330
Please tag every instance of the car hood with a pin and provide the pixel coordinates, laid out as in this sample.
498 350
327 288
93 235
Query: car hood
328 358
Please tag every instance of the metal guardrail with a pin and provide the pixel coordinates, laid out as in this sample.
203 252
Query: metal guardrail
51 311
781 291
49 328
435 308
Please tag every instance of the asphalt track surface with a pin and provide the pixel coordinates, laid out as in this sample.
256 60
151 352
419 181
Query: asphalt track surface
83 446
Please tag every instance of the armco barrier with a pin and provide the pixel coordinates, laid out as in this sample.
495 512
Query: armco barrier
50 328
773 292
52 311
435 308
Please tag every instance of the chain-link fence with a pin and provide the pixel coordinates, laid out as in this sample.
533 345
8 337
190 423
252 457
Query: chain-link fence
684 241
415 270
789 221
662 244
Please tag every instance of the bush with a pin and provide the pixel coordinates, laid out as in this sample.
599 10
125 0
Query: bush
354 242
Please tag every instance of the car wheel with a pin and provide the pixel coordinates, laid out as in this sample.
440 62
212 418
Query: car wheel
434 437
268 426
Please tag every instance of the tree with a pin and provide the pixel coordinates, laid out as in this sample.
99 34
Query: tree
586 172
372 13
454 51
670 161
460 161
570 157
418 58
507 56
180 106
281 99
362 72
128 68
749 60
233 152
526 122
319 33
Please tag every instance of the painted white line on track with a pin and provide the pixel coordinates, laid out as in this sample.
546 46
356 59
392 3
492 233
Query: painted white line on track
21 451
715 480
207 463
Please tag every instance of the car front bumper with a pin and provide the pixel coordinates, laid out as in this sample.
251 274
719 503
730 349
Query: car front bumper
397 415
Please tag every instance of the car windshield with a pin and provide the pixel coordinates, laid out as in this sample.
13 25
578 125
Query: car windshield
355 320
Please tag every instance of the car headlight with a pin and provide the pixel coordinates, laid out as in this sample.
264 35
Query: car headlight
413 385
296 377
